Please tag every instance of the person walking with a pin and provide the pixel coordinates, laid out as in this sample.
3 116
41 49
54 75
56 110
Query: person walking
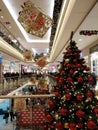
6 116
11 115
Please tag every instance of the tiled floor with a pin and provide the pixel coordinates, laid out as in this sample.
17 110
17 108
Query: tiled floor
4 126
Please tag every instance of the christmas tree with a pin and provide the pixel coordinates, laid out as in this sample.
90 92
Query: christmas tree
74 106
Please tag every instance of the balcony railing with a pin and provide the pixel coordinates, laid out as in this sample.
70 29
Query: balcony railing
10 39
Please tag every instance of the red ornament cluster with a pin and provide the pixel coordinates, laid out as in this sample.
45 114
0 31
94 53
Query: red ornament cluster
88 32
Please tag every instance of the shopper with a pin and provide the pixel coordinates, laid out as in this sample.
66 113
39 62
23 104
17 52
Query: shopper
6 116
11 115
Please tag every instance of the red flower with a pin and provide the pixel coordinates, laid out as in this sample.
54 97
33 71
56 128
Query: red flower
91 125
67 96
80 113
80 79
63 112
79 97
59 125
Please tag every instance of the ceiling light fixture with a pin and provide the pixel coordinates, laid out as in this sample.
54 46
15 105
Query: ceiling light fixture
2 17
14 14
80 40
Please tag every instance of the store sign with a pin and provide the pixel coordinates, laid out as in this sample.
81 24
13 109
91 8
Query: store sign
1 59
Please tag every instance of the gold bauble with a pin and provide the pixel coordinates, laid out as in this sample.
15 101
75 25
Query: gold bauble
67 60
66 125
56 116
88 99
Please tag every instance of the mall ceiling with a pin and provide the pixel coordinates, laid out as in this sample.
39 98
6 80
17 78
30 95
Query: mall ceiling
73 15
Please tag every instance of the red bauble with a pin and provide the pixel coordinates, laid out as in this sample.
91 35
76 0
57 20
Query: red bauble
69 50
80 80
96 110
79 125
89 94
69 79
59 126
71 72
64 55
51 104
76 54
61 79
69 65
49 117
63 112
74 60
90 80
72 125
57 94
79 97
63 72
45 127
80 113
67 96
87 68
57 78
78 66
91 125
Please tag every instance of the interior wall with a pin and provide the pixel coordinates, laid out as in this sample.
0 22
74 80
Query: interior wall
86 52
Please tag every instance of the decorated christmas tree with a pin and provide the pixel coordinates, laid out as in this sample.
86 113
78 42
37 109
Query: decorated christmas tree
74 106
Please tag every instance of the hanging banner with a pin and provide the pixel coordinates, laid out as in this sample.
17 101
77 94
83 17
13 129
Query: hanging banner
28 55
33 20
19 104
41 61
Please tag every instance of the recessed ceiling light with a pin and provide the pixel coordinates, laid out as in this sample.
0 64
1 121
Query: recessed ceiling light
80 40
2 17
10 27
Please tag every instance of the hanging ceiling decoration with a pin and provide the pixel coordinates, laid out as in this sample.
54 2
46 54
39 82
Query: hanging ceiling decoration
40 60
33 20
89 32
28 55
